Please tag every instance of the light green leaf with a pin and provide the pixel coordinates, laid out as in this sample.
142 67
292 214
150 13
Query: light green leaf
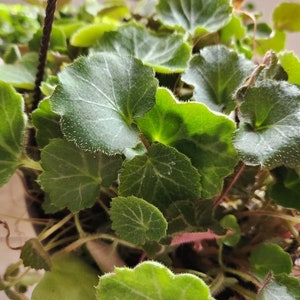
136 220
281 287
286 16
275 42
165 52
99 97
69 278
291 64
73 177
269 134
87 35
269 257
161 176
230 222
34 255
46 123
192 16
216 73
234 29
12 131
150 280
22 74
202 135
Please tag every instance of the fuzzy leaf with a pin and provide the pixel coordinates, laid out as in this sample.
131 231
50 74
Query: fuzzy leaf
34 255
12 131
99 98
136 220
269 257
191 15
161 176
165 52
65 281
286 16
281 287
46 122
202 135
73 177
216 73
150 280
291 64
269 134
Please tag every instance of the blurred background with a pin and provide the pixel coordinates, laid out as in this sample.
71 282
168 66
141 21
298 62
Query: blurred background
12 206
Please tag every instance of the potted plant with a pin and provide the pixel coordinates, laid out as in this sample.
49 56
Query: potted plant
159 141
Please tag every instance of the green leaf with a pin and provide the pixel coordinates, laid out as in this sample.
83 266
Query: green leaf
291 64
136 220
87 35
46 122
269 134
73 177
161 176
22 74
165 52
281 287
202 135
286 191
195 15
286 16
268 257
12 131
34 255
150 280
275 42
99 98
230 222
235 28
216 73
69 278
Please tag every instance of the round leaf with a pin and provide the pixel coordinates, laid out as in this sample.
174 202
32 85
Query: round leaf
269 257
202 135
269 134
99 98
291 64
69 278
73 177
136 220
151 280
161 176
286 16
165 52
216 73
195 15
12 131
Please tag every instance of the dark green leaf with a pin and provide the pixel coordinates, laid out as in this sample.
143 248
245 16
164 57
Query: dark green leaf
73 177
99 98
193 15
269 134
69 278
216 73
165 52
269 257
281 287
202 135
46 122
136 220
151 280
12 131
34 255
286 16
161 176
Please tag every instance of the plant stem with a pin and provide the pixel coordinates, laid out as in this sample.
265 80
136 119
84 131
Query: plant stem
242 291
31 164
246 277
80 231
47 28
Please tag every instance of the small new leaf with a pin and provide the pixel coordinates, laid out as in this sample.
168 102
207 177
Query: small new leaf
34 255
136 220
151 280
